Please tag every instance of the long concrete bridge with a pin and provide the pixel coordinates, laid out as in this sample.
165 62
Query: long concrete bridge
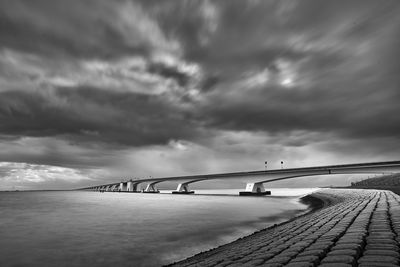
252 188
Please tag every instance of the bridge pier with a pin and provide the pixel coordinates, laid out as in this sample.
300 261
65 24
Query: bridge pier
150 188
123 186
129 186
132 187
254 189
183 189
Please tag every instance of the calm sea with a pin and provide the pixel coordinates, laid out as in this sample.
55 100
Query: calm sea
74 228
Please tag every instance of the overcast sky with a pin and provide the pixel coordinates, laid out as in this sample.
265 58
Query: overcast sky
93 91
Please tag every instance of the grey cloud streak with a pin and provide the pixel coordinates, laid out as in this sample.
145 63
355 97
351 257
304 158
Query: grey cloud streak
359 115
87 114
84 29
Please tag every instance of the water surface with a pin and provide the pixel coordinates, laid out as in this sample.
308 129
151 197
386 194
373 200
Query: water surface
72 228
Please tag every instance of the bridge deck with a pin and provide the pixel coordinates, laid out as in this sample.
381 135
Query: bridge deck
372 165
279 173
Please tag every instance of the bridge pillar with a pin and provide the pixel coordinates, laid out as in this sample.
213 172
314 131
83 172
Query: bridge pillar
129 186
123 187
132 187
254 189
150 188
183 189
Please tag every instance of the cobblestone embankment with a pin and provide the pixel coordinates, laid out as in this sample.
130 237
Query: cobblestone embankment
355 228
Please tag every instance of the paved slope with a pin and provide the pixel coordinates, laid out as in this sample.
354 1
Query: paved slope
387 182
356 228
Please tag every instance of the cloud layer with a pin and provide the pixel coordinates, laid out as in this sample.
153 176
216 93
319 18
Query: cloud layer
118 89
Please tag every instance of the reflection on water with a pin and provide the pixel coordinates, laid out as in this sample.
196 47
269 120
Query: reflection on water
120 229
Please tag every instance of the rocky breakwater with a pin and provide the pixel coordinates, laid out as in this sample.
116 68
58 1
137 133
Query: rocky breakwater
356 227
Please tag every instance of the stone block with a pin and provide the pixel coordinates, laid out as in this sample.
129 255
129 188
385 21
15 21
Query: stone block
335 265
300 264
339 259
382 252
392 247
378 258
347 252
311 259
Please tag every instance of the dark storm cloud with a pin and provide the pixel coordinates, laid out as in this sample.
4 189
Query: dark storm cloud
83 29
351 95
90 115
356 116
341 89
84 78
55 28
58 152
227 40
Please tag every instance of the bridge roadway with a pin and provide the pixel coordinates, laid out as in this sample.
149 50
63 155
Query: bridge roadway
253 188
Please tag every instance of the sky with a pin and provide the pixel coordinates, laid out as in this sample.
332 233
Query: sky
98 91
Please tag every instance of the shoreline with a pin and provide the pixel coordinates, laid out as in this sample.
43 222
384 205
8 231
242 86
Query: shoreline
314 203
323 234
